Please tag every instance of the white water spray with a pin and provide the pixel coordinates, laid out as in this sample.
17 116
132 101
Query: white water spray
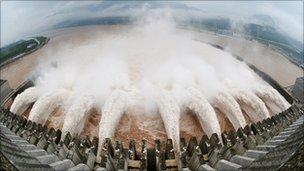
205 112
112 111
272 98
170 113
227 104
24 99
77 114
47 104
156 54
251 104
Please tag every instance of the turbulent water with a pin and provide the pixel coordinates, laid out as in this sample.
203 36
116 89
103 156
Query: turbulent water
204 111
47 104
272 98
227 104
168 71
77 114
170 113
24 99
252 105
112 111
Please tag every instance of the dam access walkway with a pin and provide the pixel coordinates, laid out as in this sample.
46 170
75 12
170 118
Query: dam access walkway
272 154
266 145
26 156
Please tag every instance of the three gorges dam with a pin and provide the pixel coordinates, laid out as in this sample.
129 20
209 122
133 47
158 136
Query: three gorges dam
153 97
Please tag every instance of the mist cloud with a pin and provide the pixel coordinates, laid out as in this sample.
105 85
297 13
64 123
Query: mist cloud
27 18
153 67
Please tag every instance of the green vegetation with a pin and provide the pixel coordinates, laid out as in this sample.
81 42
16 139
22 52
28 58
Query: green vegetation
21 47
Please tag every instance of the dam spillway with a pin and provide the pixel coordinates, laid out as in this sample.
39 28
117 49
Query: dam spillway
255 143
170 83
251 135
159 105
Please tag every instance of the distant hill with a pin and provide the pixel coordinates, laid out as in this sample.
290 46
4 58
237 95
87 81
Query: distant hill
95 21
270 36
261 19
120 6
20 48
259 27
266 32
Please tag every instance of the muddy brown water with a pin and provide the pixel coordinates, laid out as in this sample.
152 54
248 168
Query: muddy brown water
149 127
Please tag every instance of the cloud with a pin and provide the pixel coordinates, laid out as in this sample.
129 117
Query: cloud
288 15
287 22
19 19
26 18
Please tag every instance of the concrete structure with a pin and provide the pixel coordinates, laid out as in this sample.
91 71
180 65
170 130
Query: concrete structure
298 89
26 145
268 144
5 89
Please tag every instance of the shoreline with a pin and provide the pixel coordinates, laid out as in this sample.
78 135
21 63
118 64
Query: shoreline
240 37
279 67
275 64
23 54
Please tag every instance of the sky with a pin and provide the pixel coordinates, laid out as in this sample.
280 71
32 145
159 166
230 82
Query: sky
26 18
